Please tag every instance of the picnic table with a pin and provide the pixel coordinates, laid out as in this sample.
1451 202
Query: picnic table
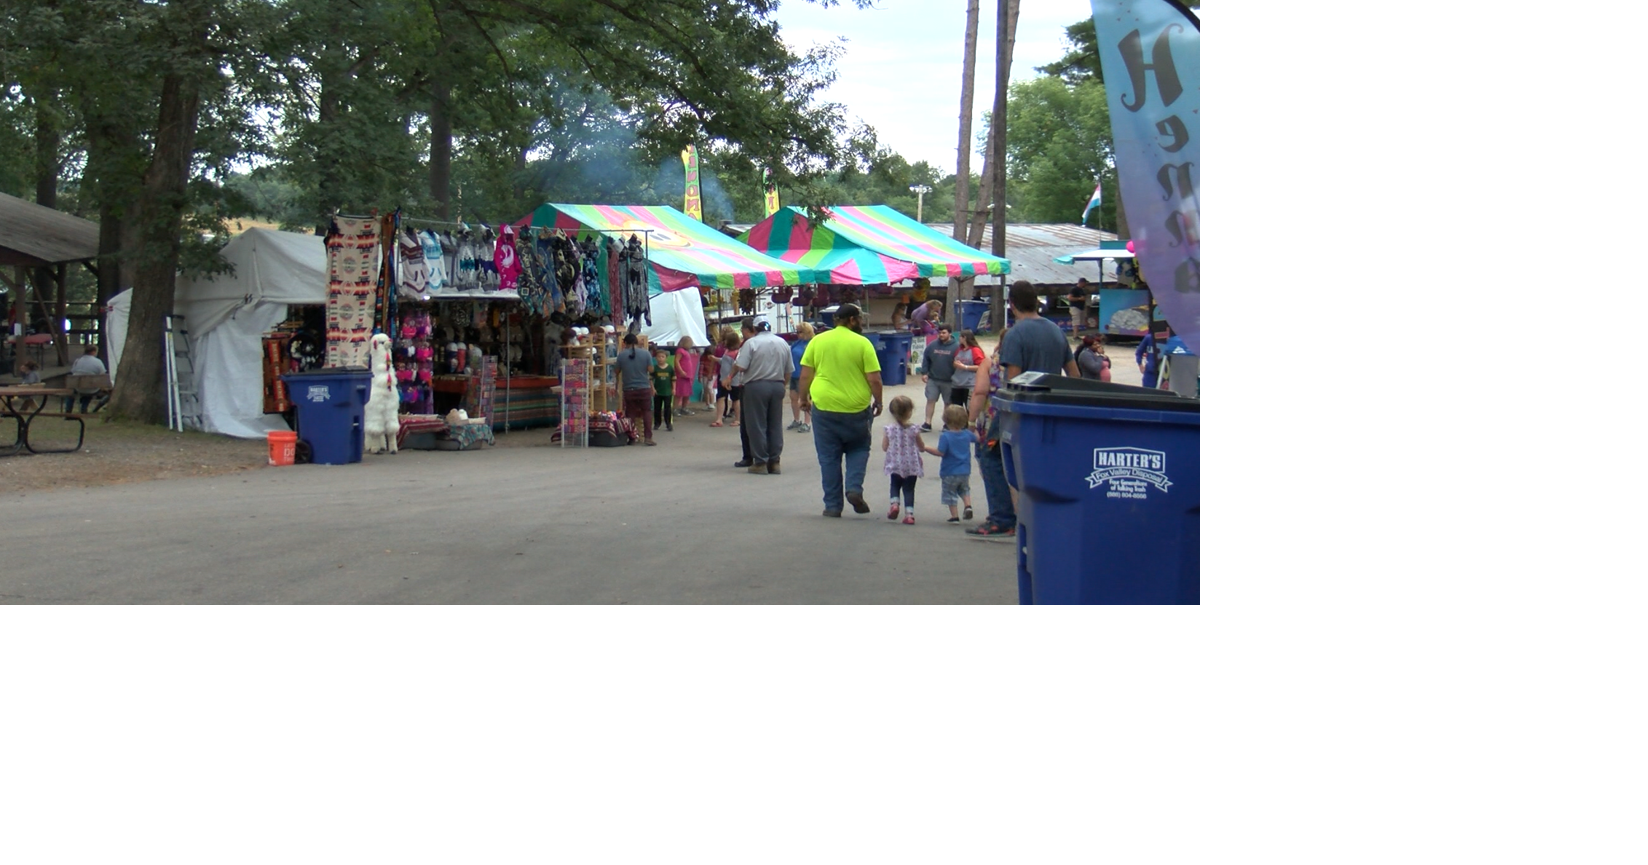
12 405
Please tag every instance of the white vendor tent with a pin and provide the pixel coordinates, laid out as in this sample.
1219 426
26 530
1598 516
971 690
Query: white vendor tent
227 315
674 314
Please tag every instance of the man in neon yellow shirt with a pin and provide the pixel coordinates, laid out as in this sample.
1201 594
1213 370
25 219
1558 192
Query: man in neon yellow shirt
841 381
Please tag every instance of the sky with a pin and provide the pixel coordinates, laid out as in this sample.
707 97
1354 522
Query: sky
901 72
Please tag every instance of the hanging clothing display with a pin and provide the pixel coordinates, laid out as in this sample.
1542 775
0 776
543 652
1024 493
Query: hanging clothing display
351 261
485 250
600 298
434 260
469 272
567 274
506 260
449 257
412 270
543 246
636 302
529 284
615 276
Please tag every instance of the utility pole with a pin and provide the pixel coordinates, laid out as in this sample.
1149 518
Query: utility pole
920 190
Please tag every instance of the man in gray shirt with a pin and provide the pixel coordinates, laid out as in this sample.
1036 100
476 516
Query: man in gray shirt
938 371
765 364
635 367
1033 344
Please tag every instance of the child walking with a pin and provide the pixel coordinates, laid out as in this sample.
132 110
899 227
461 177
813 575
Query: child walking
901 441
955 468
686 373
706 377
663 390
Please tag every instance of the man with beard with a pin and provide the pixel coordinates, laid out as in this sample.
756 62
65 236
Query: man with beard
841 381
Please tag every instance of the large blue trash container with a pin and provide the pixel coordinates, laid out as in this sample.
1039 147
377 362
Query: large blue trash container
331 407
1109 483
893 355
900 348
971 312
827 315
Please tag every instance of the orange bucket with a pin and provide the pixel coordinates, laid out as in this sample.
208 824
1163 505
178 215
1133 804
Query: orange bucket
283 447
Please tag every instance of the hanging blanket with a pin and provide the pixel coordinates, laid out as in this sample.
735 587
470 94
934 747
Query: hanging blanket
351 253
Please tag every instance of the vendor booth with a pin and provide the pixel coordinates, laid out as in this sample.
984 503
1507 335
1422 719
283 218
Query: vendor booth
867 252
679 253
1122 306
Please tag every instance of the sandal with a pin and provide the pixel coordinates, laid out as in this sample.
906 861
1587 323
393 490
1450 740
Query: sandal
718 423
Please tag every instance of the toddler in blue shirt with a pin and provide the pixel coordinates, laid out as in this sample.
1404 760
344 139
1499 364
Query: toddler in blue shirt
955 449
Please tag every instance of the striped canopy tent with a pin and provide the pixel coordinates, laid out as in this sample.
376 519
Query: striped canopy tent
683 251
869 245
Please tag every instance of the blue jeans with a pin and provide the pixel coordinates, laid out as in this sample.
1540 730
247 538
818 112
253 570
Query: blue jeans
996 491
836 435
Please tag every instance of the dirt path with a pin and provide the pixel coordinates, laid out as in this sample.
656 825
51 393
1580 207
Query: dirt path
119 453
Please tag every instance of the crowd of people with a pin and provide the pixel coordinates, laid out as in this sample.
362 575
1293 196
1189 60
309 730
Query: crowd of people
835 393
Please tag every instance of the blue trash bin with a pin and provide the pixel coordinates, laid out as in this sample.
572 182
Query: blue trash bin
331 407
972 311
901 349
1109 478
827 315
892 354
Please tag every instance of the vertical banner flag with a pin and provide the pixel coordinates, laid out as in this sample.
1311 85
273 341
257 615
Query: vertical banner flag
772 193
694 206
1151 54
1098 192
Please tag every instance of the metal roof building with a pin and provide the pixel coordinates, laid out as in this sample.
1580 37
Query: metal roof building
36 236
1033 246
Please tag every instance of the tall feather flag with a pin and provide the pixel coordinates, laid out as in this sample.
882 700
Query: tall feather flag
1151 54
694 205
771 193
1098 193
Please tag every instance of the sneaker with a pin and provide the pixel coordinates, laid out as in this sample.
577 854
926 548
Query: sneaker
926 427
669 427
836 514
741 464
792 426
953 520
989 529
967 514
650 443
686 412
892 512
909 521
860 506
805 427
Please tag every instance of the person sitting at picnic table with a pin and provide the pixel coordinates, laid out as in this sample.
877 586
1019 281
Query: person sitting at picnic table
86 364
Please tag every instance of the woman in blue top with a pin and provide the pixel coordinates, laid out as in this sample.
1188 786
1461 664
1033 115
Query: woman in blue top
803 335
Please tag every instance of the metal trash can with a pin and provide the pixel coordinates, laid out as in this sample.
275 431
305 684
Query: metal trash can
331 410
1109 490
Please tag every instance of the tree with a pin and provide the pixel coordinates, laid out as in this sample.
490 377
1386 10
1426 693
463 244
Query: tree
1058 144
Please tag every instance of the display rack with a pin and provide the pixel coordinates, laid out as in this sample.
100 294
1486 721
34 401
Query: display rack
576 369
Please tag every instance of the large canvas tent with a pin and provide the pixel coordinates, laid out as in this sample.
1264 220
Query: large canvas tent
868 245
683 251
227 315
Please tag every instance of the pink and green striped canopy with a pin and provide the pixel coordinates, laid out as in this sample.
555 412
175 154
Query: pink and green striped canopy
683 251
869 245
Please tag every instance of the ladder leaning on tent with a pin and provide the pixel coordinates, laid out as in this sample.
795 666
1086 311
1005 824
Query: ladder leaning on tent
182 401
